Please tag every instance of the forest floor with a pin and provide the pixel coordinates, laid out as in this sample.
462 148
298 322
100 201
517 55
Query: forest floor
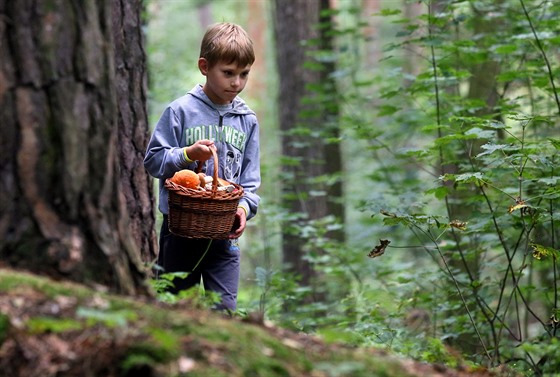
50 328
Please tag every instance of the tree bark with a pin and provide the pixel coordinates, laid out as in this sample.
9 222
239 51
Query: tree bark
133 137
293 24
76 202
330 123
305 125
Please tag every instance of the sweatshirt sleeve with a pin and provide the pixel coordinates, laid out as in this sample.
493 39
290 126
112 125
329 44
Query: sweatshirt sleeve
164 155
251 174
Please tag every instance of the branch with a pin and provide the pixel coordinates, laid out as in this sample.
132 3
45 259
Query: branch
541 49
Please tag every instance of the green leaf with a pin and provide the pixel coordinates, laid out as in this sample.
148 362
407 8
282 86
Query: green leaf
388 12
435 127
170 276
555 142
480 133
390 93
466 177
506 49
494 124
491 148
445 140
508 76
410 152
387 110
551 181
439 192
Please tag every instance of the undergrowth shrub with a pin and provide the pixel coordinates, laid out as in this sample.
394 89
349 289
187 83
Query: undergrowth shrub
463 152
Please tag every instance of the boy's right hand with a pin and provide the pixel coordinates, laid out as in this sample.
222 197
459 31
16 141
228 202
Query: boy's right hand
200 151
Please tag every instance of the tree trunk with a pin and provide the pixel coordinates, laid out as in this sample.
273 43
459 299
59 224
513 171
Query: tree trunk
77 203
306 122
294 21
330 122
131 86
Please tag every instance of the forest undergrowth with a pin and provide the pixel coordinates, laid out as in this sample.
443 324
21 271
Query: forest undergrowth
451 134
461 150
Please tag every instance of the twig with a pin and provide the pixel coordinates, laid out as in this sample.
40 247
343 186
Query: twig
541 49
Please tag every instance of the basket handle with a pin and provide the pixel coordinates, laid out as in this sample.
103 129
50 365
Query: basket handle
216 167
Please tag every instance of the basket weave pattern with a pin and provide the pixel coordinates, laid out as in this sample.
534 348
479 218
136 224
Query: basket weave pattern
202 214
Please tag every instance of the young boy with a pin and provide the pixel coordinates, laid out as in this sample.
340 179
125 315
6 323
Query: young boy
210 116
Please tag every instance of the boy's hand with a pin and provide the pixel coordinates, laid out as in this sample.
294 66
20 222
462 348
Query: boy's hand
200 151
238 224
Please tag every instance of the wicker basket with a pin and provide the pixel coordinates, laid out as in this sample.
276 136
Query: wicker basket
202 214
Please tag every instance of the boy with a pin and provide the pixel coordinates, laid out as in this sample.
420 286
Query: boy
210 116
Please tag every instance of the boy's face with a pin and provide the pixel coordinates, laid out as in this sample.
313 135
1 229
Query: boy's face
223 81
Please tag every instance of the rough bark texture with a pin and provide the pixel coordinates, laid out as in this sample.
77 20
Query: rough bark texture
76 202
131 85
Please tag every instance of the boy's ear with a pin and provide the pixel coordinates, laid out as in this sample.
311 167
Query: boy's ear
203 66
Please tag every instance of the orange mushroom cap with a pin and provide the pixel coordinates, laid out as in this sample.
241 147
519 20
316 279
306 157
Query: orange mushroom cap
186 178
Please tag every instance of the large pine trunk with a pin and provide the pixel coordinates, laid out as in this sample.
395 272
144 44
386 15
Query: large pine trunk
76 201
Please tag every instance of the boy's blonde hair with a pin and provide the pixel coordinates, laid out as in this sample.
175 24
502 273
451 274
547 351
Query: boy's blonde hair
228 43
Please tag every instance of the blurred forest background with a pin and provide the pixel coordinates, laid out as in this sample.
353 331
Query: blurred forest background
444 118
410 163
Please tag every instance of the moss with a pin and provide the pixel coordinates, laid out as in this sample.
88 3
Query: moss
137 365
164 343
140 337
55 325
160 348
4 327
11 280
266 368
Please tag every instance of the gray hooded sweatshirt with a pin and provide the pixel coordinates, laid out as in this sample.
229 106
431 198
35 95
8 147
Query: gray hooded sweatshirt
193 117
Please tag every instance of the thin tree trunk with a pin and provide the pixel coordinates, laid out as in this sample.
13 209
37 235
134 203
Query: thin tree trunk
330 123
294 20
308 120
